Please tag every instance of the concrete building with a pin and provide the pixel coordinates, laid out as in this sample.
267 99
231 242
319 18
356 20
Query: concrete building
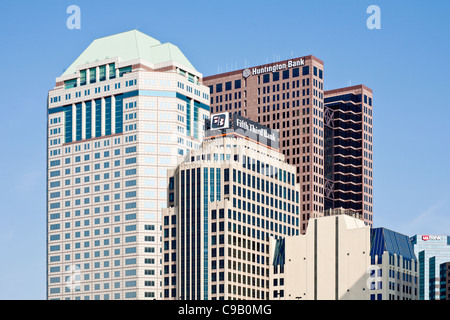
118 118
289 96
431 251
226 200
330 262
395 270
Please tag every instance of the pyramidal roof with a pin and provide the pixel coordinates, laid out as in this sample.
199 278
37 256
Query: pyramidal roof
130 45
383 239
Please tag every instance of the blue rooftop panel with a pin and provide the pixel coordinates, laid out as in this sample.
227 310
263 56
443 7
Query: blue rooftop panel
395 243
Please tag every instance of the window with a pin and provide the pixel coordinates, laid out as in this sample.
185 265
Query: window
112 70
124 70
102 73
276 76
92 75
306 70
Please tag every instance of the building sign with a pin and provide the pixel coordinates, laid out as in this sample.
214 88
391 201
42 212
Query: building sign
273 68
427 238
234 124
220 121
254 128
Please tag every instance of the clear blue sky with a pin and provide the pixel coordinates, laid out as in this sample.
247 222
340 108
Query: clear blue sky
406 63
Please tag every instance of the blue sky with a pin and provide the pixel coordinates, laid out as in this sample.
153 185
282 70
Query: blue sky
405 63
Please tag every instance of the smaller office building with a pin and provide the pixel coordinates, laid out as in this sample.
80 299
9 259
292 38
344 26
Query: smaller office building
329 262
431 251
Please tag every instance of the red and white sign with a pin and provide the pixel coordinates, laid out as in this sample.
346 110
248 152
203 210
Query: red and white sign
427 237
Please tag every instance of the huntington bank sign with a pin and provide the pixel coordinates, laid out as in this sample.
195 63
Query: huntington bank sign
273 68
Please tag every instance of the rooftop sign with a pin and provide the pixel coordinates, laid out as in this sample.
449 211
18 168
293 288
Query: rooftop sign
273 68
225 123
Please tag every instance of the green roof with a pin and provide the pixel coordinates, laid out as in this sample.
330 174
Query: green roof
130 45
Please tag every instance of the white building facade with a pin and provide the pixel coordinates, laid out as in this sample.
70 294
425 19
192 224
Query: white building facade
119 117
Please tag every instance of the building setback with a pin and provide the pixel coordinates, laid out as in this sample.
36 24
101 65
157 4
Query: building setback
225 201
289 96
118 118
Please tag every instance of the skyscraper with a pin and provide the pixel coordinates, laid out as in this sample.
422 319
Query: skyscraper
334 168
118 118
226 200
348 150
287 96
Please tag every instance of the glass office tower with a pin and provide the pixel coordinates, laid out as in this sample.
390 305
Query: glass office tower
348 150
431 252
118 118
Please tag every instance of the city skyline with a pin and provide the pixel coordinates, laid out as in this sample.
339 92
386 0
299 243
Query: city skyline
410 182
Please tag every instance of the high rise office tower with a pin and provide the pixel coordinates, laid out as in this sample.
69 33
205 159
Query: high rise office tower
118 118
226 200
287 96
348 150
328 139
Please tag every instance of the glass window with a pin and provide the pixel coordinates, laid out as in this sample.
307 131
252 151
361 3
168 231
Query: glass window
306 70
112 70
102 73
92 75
276 76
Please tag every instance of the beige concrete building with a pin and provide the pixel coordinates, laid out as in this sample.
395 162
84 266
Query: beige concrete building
330 262
288 96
